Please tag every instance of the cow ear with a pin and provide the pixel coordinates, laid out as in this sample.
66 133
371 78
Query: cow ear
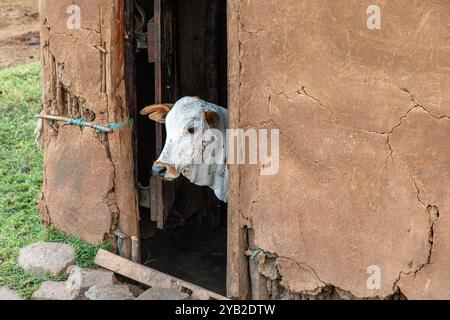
157 112
211 117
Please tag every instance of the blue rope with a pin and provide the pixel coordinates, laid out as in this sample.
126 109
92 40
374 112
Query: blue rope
77 122
120 125
259 251
102 129
256 254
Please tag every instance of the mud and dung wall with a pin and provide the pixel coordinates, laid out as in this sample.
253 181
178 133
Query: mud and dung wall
364 123
88 188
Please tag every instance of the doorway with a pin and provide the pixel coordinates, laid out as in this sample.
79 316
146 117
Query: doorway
179 48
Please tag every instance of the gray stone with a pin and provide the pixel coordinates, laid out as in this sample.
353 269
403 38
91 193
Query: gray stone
111 292
8 294
83 279
44 257
163 294
51 290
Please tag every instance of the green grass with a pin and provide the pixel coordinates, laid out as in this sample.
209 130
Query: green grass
21 178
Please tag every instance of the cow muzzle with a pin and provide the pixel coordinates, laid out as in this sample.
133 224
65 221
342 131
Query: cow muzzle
165 171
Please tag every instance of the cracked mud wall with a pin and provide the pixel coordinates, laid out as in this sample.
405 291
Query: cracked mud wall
363 119
88 188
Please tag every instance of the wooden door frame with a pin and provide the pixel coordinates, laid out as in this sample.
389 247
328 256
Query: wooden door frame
238 273
238 282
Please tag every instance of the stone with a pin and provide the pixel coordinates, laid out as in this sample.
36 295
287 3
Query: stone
163 294
83 279
46 258
200 295
52 290
8 294
109 292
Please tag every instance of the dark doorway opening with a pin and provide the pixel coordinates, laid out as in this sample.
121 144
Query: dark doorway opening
190 240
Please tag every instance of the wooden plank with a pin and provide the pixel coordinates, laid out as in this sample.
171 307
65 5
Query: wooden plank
259 289
151 41
212 45
150 277
160 97
130 73
238 283
165 89
160 211
158 207
130 62
153 198
135 250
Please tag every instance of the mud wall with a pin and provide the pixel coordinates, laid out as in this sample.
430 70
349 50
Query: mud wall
364 124
88 188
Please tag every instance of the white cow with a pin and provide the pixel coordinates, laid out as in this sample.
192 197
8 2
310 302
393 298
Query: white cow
195 145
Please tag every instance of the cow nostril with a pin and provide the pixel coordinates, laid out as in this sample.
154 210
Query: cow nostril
159 170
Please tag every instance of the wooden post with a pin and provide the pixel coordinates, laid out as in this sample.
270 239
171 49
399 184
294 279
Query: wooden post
135 254
165 91
238 283
120 143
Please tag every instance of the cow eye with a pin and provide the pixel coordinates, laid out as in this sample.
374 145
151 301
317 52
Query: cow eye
192 130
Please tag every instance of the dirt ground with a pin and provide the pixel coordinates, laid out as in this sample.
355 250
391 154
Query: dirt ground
19 32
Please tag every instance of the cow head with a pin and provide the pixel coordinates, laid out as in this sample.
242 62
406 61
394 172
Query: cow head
196 130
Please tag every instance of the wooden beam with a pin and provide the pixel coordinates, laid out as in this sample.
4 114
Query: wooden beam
165 91
157 209
130 76
238 282
151 277
151 40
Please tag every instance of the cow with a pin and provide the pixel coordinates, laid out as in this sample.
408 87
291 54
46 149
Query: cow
196 130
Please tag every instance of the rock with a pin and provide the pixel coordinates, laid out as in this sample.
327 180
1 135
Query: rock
52 290
43 258
8 294
110 292
83 279
163 294
200 295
